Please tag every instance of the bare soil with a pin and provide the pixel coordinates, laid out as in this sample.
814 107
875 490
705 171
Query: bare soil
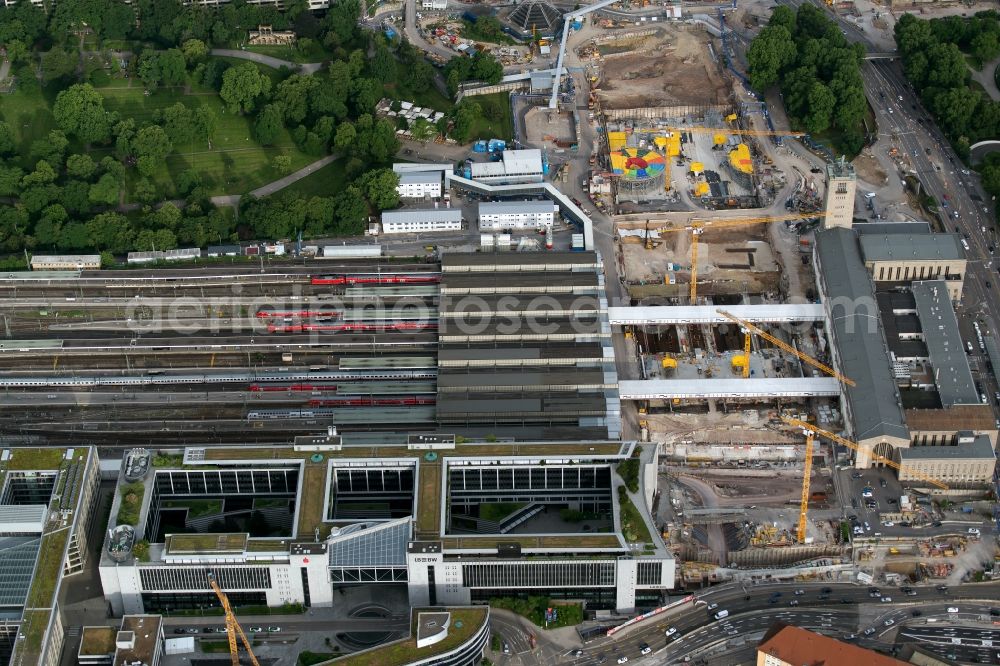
675 70
869 170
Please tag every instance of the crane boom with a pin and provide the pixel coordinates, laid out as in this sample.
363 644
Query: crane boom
232 626
746 354
723 223
806 477
788 348
729 130
694 267
859 449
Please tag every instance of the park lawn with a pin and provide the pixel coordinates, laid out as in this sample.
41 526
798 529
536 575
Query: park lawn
235 164
432 97
28 111
324 182
484 128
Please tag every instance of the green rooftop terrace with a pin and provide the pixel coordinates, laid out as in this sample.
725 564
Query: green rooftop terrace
464 624
195 544
527 541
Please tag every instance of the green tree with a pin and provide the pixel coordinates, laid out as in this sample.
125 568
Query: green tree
43 174
282 164
104 191
350 211
194 51
151 145
178 123
382 66
149 69
79 110
172 65
51 148
344 137
110 231
821 104
242 86
294 94
57 64
7 145
771 53
206 123
379 186
268 126
80 166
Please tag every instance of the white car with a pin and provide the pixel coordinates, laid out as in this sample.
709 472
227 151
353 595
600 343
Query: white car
889 622
974 530
886 600
671 631
952 609
622 660
887 523
646 650
712 606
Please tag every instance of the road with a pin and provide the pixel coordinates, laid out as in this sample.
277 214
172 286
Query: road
849 609
414 37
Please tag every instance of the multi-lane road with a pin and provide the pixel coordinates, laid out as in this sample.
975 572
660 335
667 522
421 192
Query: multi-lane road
843 610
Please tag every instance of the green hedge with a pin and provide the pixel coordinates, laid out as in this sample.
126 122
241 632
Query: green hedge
533 608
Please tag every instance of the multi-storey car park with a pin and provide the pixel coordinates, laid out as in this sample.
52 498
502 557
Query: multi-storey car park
205 354
453 523
47 501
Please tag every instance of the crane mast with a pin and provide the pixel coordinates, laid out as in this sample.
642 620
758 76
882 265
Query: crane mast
232 626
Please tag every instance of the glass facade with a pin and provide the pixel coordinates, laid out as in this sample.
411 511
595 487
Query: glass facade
166 602
196 578
514 575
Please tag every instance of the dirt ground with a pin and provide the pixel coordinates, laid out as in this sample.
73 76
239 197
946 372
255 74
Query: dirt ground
542 124
675 69
714 428
869 170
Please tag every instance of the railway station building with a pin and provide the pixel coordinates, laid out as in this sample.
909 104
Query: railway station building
452 523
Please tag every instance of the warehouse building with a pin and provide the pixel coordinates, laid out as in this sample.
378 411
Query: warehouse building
515 166
419 184
451 523
417 221
899 259
969 463
65 262
513 215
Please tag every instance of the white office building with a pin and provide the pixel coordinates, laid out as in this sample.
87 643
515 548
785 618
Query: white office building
419 184
510 215
417 221
516 166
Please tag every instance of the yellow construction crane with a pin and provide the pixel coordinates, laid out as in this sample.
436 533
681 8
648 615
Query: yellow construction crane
698 226
854 446
806 478
786 347
232 626
744 361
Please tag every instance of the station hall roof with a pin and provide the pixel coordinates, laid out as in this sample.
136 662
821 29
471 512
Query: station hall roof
874 404
952 374
979 448
423 215
903 247
709 314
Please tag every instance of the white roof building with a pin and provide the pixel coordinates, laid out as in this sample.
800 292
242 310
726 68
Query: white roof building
517 166
414 221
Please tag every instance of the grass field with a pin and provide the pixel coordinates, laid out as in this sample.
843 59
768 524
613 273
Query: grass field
431 97
28 111
323 182
490 129
235 164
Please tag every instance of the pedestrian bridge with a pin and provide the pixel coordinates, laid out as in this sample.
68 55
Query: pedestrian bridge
881 55
709 314
749 389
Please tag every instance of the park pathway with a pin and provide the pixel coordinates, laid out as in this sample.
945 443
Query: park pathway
262 191
269 61
986 77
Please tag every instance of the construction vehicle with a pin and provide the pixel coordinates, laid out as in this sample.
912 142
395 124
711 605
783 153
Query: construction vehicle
697 227
232 626
854 446
747 326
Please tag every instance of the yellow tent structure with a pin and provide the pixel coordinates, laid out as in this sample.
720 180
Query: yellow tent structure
697 168
719 139
740 159
701 189
616 140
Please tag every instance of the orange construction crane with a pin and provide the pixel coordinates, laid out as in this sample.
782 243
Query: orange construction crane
232 626
854 446
698 226
806 480
786 347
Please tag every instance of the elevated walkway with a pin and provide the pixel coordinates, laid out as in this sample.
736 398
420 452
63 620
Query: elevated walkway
708 314
751 389
569 209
